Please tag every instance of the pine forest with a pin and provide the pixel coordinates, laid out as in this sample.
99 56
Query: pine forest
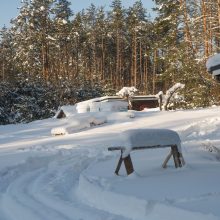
50 56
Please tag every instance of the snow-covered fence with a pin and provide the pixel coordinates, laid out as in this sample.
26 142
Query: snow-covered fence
139 139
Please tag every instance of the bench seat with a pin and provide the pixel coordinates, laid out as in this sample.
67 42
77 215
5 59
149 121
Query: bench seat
140 139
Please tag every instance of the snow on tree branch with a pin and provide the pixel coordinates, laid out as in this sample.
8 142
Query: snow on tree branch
170 92
165 99
127 91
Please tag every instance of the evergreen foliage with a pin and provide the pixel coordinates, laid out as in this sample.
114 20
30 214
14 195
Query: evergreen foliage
49 56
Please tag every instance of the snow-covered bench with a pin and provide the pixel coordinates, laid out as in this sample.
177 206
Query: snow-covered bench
139 139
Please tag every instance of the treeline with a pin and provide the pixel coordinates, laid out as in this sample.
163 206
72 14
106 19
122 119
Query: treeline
116 47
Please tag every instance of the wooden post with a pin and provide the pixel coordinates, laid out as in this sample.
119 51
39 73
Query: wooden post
127 162
119 164
167 159
176 159
128 165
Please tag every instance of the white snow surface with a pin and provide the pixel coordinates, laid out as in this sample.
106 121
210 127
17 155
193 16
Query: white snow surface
71 177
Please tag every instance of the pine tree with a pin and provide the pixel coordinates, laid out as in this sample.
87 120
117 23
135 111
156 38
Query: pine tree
7 51
137 27
117 17
62 28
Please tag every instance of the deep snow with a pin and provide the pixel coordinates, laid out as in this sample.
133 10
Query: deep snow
45 177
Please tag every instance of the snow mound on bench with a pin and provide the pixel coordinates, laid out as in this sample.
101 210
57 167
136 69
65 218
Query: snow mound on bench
149 137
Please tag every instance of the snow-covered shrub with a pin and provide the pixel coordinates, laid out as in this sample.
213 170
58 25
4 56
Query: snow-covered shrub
127 93
28 100
171 98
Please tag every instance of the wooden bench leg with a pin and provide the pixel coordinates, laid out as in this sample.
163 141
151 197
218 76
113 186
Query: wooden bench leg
182 159
127 162
164 165
119 165
176 156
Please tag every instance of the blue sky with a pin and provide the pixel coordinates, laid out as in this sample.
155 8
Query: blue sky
8 8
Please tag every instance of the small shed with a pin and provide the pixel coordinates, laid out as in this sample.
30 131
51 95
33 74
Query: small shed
65 111
139 103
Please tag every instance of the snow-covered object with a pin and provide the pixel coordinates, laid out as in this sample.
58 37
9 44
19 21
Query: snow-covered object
74 126
42 8
148 137
114 106
131 113
106 104
94 106
213 61
78 122
127 91
170 92
68 110
159 94
82 107
98 120
174 88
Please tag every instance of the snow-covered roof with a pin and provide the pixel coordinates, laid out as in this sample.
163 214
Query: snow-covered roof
213 61
144 97
68 110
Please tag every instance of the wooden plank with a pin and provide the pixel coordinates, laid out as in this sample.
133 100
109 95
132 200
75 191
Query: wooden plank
138 147
150 147
116 148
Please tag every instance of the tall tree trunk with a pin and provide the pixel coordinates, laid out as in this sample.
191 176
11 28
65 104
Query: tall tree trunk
204 15
154 72
135 60
188 37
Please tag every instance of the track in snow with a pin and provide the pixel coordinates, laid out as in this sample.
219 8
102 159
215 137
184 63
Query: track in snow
42 188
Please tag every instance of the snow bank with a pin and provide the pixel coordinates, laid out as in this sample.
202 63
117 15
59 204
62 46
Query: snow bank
74 126
79 122
201 130
95 194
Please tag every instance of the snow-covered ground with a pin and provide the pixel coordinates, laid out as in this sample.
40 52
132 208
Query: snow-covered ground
71 177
